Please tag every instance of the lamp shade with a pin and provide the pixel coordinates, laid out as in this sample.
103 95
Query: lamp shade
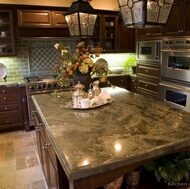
145 13
81 18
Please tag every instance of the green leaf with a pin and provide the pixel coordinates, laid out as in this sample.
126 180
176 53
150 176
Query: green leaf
150 166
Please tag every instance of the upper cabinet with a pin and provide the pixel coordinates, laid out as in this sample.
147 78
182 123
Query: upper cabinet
52 23
111 35
149 32
7 37
178 23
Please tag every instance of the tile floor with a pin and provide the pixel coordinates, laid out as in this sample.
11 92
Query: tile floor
19 163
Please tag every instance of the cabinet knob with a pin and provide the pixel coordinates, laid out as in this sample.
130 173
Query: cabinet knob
146 85
6 108
5 98
3 91
146 70
7 121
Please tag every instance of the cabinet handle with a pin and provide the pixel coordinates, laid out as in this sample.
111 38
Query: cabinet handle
48 145
5 98
6 108
44 147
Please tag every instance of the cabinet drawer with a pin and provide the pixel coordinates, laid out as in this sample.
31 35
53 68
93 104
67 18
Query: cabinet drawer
148 71
13 120
4 99
9 90
148 85
8 108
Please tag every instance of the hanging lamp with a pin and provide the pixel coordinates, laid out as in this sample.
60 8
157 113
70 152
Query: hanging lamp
81 19
145 13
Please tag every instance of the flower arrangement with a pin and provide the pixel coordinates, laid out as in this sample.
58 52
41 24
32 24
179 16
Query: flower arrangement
81 62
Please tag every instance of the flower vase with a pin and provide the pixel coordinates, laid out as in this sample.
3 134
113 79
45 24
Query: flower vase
84 79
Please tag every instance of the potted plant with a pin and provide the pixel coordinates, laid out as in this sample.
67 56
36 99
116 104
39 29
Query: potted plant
131 63
171 168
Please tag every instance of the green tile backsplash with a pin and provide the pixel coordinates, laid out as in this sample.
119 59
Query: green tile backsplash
35 57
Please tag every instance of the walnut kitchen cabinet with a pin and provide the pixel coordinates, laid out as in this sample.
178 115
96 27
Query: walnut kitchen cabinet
126 38
111 35
106 31
133 83
122 81
147 33
11 117
46 154
41 23
178 23
7 35
148 78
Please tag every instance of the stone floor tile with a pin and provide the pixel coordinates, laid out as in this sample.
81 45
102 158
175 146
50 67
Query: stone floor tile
21 164
38 185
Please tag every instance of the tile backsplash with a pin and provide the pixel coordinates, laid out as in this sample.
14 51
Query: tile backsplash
38 57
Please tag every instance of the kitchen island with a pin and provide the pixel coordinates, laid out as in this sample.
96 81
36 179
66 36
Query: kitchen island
96 146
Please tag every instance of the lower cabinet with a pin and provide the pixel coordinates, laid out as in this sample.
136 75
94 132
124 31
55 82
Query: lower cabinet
11 111
148 78
122 81
47 155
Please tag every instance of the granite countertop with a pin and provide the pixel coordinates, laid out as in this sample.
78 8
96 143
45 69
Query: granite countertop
130 129
12 83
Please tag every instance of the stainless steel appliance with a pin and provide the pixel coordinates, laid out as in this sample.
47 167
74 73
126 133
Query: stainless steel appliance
175 73
149 50
40 85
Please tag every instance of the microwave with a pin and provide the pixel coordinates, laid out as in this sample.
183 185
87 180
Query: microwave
149 50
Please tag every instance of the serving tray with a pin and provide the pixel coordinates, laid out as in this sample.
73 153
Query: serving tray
69 105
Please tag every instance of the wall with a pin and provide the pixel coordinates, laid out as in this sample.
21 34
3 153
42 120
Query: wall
43 62
97 4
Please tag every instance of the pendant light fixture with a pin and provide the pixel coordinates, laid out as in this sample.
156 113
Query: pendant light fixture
81 19
145 13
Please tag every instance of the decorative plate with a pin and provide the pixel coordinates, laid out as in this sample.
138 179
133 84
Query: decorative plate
3 71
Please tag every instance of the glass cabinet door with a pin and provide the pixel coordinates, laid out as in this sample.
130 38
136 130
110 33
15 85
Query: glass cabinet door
7 37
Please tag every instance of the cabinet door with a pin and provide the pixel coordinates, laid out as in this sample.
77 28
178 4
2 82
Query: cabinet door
34 18
175 21
7 36
109 32
149 32
126 39
187 18
59 19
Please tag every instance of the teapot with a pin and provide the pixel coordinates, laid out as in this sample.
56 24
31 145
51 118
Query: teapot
94 89
78 94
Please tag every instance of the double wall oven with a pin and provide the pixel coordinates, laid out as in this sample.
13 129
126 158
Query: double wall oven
175 73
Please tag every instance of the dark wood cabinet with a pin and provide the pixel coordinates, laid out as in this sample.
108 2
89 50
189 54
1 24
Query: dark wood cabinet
133 83
111 35
148 78
122 81
126 39
7 35
178 23
11 116
149 33
47 155
41 23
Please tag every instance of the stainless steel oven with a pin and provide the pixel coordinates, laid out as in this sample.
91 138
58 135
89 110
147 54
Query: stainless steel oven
175 73
149 50
40 85
175 94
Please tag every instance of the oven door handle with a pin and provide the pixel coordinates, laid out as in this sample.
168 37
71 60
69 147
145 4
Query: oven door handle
175 87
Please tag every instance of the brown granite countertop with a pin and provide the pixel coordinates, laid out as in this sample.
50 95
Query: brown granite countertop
130 129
